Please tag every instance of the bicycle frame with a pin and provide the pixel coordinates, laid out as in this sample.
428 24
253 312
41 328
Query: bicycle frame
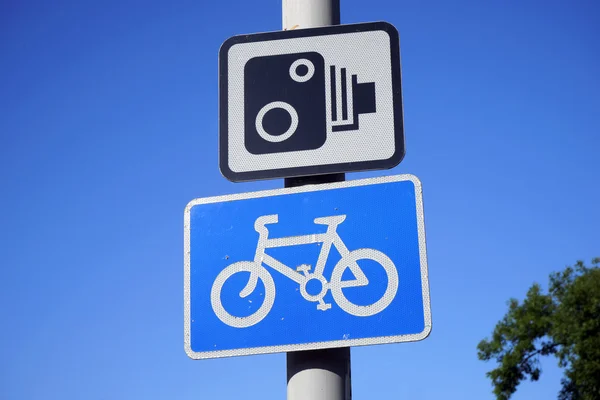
329 238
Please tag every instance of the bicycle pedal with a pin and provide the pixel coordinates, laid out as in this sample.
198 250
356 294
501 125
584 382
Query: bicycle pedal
324 306
303 268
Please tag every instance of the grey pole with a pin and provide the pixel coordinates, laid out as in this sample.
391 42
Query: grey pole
316 374
299 14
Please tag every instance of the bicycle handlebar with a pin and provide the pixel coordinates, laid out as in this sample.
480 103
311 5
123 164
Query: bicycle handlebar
259 224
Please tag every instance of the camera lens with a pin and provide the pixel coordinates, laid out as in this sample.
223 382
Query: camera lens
273 106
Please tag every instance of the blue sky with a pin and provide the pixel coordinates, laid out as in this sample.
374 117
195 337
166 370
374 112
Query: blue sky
108 129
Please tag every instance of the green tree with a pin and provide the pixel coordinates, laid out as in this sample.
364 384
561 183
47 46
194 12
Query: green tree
565 322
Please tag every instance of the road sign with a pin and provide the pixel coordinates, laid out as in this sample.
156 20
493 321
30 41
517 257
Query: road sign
311 267
310 101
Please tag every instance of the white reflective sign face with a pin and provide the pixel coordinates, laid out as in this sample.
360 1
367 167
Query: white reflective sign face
311 101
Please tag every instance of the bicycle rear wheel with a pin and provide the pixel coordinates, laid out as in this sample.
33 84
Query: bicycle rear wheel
337 287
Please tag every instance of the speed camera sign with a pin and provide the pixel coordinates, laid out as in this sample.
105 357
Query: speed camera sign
310 101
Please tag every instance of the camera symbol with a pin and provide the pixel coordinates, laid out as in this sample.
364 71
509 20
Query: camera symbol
285 102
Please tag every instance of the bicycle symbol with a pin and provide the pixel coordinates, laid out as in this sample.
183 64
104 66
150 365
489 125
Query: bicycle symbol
302 275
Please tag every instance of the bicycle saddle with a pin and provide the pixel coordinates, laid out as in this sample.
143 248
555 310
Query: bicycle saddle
331 220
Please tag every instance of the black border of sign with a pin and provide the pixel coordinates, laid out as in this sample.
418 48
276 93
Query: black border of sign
391 162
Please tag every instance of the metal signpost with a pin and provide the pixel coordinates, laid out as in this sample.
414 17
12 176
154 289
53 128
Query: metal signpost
322 264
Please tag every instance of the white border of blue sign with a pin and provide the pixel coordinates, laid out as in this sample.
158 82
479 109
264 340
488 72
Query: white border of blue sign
314 345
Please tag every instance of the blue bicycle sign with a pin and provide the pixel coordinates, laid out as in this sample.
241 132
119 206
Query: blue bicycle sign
312 267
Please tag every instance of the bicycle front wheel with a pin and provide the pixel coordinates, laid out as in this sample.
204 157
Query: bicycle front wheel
263 310
352 258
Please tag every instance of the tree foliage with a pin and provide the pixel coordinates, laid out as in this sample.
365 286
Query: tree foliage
565 322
